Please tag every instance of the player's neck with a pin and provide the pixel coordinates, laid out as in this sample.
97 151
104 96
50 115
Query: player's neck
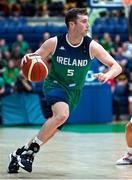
74 39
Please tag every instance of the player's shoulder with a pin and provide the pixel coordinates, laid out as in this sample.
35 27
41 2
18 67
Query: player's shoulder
50 43
51 40
55 38
94 44
96 48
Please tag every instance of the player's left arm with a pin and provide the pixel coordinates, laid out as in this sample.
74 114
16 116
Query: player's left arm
96 50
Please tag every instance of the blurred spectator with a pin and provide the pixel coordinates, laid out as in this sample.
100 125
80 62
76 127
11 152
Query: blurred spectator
16 56
3 65
103 14
95 38
11 73
21 45
56 7
3 46
126 52
122 60
127 47
17 52
4 8
130 44
130 20
7 56
120 97
107 43
28 7
29 50
117 43
82 3
42 8
117 13
15 9
11 1
75 4
46 35
71 4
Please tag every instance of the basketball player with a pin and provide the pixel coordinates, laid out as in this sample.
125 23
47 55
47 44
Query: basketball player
127 158
72 54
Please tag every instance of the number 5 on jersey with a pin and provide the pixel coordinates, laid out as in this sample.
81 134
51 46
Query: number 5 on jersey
70 72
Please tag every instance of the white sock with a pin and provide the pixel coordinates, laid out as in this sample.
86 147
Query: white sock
14 153
129 149
38 141
131 120
26 146
35 140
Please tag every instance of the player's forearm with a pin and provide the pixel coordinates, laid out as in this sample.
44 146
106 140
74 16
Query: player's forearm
114 71
27 86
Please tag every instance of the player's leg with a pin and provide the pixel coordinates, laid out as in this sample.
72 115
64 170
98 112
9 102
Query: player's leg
127 158
58 101
13 165
51 126
60 115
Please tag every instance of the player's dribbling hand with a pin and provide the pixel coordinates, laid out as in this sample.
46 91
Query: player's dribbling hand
102 77
27 57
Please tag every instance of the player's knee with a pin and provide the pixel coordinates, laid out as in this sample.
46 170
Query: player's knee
61 118
129 127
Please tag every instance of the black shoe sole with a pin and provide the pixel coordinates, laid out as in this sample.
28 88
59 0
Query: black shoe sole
28 170
13 171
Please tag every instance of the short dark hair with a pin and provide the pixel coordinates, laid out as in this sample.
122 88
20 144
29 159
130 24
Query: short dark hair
72 14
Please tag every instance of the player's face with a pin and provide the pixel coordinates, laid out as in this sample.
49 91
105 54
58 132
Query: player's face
81 25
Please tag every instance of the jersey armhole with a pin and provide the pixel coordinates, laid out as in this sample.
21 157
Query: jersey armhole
56 40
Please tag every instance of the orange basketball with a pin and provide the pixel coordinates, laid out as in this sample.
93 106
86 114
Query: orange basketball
34 68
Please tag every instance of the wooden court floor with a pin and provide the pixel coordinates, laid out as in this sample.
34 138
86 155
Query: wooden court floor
68 155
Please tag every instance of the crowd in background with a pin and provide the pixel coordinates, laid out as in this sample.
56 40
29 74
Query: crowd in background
40 8
122 86
11 79
10 63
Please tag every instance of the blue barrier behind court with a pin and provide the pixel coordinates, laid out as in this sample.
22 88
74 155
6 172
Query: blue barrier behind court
21 108
95 107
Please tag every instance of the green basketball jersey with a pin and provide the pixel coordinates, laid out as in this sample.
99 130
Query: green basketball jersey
69 64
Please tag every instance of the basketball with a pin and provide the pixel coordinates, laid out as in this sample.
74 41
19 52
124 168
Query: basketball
34 68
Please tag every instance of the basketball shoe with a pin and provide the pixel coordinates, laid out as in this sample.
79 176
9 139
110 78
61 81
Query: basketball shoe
125 160
25 160
13 165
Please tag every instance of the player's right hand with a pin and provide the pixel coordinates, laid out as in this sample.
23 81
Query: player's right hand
27 57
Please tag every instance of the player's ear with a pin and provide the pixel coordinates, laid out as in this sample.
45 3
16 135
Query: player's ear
71 24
